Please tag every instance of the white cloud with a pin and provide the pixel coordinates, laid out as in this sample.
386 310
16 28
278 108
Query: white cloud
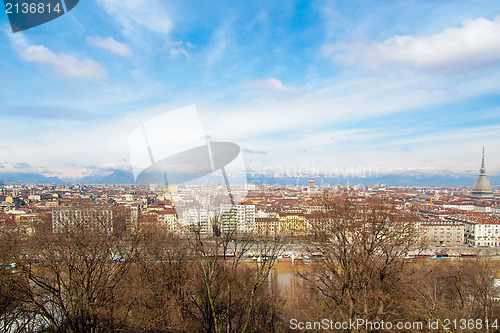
343 99
176 52
220 40
149 14
177 49
272 85
87 148
64 64
473 46
111 45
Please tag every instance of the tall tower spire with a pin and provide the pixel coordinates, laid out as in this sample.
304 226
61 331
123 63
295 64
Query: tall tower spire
482 171
482 188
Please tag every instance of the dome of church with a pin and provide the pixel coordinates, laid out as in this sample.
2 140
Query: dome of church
482 188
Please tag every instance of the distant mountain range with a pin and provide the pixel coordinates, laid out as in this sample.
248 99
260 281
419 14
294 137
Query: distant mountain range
117 177
20 177
414 179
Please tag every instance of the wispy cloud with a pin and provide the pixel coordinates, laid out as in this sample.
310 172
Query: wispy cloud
474 45
178 49
104 147
272 85
64 64
220 39
43 112
150 14
18 166
111 45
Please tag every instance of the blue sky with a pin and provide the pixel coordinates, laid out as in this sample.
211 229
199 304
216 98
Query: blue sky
393 86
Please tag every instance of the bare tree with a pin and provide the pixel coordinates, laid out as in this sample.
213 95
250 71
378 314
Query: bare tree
459 288
12 285
362 245
72 278
156 281
233 289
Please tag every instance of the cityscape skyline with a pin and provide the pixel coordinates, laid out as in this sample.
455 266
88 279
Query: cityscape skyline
316 86
253 166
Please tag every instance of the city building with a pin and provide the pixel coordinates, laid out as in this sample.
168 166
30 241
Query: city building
482 188
148 222
482 233
96 217
266 226
167 219
238 217
199 221
291 224
437 232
